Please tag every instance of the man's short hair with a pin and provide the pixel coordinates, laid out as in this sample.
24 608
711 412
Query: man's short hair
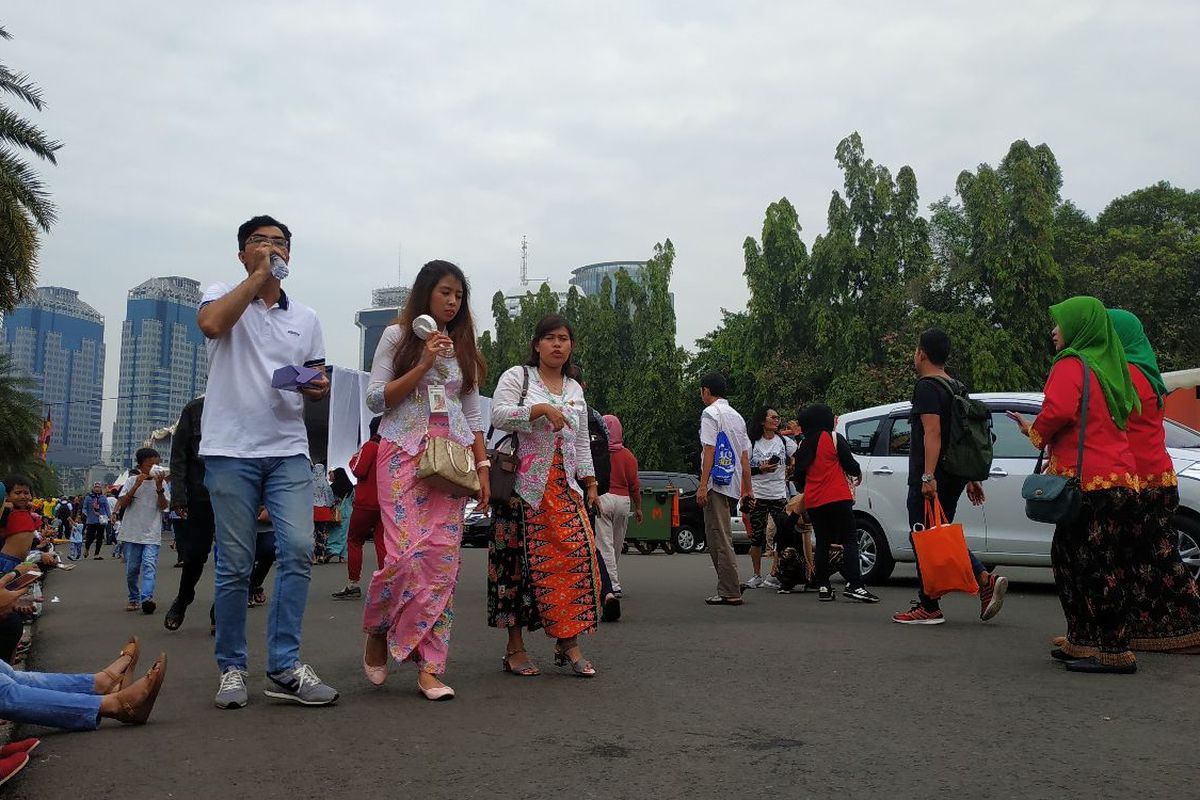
261 221
144 453
715 383
935 344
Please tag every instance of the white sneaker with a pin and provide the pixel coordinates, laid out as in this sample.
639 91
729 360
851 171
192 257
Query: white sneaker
755 583
771 582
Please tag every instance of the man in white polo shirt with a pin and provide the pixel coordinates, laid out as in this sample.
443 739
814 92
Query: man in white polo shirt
255 451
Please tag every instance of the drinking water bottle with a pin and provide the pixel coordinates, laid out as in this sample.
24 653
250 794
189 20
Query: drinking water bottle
279 267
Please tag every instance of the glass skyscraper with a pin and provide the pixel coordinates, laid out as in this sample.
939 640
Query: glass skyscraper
589 277
58 340
164 362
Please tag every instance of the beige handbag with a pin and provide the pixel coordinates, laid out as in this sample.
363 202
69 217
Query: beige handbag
449 467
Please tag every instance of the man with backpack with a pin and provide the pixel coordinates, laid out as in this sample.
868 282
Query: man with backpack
951 450
724 480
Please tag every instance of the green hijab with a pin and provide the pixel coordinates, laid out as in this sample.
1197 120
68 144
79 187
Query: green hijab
1137 349
1088 334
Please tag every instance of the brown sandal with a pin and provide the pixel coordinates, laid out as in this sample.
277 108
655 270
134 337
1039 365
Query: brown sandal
132 649
526 671
138 712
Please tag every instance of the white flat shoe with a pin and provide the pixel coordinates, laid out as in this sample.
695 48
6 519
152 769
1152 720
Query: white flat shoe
437 693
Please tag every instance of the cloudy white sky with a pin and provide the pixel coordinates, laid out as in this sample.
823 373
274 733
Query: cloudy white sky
452 129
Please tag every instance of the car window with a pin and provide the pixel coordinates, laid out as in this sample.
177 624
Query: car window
900 437
1010 442
1181 436
862 434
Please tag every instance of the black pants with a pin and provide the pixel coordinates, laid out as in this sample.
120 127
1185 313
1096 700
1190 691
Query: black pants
833 523
193 543
11 629
94 532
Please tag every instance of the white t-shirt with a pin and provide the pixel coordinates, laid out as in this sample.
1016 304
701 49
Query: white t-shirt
720 416
771 485
244 416
142 520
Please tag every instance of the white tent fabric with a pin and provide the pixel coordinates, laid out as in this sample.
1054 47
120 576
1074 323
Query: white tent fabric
349 417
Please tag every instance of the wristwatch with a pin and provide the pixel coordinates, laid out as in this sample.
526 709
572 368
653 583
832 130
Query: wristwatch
927 477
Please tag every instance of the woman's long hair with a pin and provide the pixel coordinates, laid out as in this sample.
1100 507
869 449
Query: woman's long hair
758 424
461 329
341 484
545 327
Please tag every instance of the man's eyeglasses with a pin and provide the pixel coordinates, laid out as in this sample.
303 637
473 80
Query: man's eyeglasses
278 241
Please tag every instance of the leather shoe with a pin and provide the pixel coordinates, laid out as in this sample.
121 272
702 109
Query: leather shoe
1093 666
137 711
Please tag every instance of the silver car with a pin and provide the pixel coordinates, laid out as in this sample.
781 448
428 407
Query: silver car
998 532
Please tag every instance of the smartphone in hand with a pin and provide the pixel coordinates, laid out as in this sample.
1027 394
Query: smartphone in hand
23 581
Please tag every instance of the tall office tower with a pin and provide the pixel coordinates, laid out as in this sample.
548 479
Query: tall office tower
57 340
164 363
386 304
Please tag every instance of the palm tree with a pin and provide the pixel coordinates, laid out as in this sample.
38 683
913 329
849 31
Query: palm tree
25 207
22 415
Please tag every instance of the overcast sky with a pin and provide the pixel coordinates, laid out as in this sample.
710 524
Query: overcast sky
452 129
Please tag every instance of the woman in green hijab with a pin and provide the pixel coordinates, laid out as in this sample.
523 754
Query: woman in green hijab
1165 608
1090 552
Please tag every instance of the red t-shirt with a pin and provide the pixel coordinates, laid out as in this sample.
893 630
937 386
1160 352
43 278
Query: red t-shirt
1107 460
1148 438
623 479
21 522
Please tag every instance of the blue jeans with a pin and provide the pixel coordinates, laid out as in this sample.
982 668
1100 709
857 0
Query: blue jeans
237 487
69 702
143 559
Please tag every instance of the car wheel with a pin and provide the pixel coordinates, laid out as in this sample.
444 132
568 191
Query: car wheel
874 555
645 548
684 540
1189 544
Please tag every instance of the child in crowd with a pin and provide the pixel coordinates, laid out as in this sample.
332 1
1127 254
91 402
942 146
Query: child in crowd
76 551
19 524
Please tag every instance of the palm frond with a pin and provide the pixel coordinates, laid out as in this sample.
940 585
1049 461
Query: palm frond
22 414
20 183
24 134
4 34
19 84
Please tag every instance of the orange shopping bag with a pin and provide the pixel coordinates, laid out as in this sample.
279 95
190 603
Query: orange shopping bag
941 548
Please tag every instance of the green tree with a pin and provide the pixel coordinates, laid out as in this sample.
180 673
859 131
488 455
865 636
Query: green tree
22 415
25 207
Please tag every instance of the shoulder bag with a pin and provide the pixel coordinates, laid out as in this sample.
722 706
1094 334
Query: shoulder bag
505 463
1053 498
449 467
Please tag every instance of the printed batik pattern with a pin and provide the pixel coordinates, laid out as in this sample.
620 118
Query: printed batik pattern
1164 599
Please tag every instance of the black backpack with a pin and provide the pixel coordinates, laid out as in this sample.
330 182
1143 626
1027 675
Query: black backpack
967 441
601 460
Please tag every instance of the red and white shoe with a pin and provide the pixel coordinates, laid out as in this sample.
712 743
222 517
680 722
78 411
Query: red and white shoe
23 746
12 765
991 596
917 615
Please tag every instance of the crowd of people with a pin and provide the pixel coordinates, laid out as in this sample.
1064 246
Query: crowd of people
562 488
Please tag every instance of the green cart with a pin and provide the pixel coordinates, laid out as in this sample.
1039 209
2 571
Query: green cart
654 531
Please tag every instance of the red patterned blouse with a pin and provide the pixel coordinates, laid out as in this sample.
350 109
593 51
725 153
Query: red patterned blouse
1148 438
1107 460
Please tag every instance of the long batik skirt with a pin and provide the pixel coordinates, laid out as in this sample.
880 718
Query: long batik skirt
411 596
1164 601
1091 557
542 570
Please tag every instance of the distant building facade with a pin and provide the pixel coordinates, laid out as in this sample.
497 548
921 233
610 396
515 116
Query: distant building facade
57 340
512 297
386 304
164 361
590 277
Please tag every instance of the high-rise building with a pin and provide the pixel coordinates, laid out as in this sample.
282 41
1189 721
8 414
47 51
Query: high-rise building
590 277
386 304
57 340
164 363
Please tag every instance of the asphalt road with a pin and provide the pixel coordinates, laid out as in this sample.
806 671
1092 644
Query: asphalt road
780 697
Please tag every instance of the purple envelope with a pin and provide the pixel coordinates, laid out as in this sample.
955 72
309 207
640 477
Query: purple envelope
293 378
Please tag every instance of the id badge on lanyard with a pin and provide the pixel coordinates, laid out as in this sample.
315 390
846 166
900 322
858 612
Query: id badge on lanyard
437 399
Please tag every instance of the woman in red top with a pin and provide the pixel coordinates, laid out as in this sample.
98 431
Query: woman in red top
1090 553
823 463
364 519
1165 608
623 496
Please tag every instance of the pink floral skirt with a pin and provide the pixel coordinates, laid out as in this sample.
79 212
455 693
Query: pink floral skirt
410 598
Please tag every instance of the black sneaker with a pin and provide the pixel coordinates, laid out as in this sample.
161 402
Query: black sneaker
610 609
860 594
349 592
826 595
149 606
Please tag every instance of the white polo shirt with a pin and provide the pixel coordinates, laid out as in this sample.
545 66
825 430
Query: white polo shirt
244 416
718 417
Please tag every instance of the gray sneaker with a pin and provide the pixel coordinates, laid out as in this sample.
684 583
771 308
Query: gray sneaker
301 685
232 691
771 582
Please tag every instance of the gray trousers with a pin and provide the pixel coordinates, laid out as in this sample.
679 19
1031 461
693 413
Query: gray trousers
718 535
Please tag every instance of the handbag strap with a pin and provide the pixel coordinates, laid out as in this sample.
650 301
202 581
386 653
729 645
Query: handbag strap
512 437
1083 415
